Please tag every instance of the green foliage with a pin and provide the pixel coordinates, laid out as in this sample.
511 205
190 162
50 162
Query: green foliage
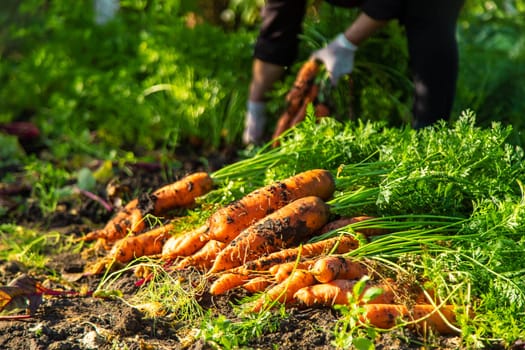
220 332
492 56
349 332
99 81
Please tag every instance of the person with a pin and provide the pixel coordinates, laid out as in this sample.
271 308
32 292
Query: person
430 29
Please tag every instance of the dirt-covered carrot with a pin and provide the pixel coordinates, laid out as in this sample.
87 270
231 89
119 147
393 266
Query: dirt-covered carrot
423 316
257 284
202 259
144 244
336 292
308 99
333 267
288 226
128 220
283 271
303 81
184 244
181 193
384 316
336 245
226 223
226 282
284 291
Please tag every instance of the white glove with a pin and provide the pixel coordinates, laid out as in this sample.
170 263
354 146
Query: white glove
254 123
338 57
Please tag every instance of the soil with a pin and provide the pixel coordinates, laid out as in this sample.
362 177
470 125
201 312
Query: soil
88 322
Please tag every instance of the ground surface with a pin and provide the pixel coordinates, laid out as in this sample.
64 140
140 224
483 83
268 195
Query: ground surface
102 323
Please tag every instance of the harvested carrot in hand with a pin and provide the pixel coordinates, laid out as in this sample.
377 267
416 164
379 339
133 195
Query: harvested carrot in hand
285 227
228 222
145 244
336 245
202 259
284 291
182 193
184 244
226 282
329 268
128 220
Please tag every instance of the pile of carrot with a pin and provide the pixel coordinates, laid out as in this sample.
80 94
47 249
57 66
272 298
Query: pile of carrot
260 243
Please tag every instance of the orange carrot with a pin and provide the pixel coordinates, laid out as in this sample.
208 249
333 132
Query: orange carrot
227 281
301 86
335 267
336 292
384 316
181 193
284 291
144 244
228 222
285 227
257 284
428 317
336 245
283 271
202 259
310 97
128 220
184 244
424 316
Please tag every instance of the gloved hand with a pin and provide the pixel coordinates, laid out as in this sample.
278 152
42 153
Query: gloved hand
254 123
338 57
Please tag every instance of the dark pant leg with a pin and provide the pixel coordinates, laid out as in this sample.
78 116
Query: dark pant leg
433 51
278 39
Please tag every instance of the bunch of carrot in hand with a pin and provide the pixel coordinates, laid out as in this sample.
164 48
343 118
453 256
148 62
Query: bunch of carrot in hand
262 243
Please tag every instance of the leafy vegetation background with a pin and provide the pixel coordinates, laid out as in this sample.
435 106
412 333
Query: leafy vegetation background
164 72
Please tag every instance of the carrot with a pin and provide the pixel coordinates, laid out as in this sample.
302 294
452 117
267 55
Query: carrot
284 291
257 284
427 316
345 221
337 245
147 243
184 244
336 292
181 193
329 268
384 316
424 316
285 227
227 281
298 98
204 257
322 110
283 271
309 98
128 220
226 223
